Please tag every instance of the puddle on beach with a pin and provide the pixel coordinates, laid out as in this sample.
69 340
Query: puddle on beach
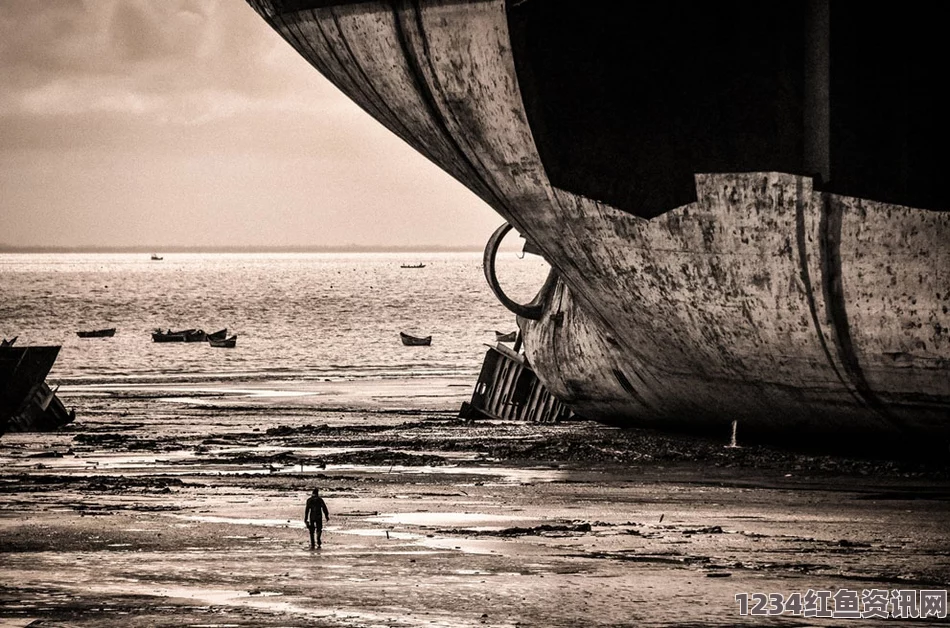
389 534
270 602
509 475
464 545
264 600
448 519
267 523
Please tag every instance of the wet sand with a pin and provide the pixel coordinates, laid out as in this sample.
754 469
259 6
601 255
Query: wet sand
183 506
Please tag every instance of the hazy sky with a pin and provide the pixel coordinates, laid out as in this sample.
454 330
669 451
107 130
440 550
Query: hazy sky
191 123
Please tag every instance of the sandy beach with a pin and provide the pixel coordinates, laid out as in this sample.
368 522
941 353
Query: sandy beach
433 522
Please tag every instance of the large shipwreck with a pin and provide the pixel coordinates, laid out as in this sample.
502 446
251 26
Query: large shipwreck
744 204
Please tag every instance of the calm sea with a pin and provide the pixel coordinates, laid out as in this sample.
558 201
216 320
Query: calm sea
297 316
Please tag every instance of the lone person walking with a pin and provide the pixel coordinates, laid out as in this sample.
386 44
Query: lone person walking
313 516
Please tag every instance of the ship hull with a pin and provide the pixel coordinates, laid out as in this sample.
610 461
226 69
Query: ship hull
27 404
803 316
744 293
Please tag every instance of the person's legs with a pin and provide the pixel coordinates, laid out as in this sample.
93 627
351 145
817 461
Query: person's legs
310 527
319 534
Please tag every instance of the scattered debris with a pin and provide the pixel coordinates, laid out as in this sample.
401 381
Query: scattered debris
507 388
27 403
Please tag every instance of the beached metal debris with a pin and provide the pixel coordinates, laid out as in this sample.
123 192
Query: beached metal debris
508 388
27 403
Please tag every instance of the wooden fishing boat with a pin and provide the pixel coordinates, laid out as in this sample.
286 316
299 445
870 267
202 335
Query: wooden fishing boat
218 335
171 336
509 337
98 333
225 343
196 335
413 341
156 257
413 266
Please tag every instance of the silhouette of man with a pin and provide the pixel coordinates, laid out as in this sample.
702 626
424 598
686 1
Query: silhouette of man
313 516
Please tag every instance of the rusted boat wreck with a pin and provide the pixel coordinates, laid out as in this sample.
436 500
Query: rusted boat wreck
27 404
744 206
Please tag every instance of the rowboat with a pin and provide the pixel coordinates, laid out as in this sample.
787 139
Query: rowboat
171 336
413 266
196 335
98 333
156 257
226 343
218 335
413 341
509 337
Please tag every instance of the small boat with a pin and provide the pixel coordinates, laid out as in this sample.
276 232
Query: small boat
156 257
98 333
227 343
8 343
413 341
509 337
413 266
218 335
197 335
171 336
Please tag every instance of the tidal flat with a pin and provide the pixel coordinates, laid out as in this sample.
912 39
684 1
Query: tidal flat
184 507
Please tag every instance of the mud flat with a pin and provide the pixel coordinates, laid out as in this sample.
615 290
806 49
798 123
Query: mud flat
184 508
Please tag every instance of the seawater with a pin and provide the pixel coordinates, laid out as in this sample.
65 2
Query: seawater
300 316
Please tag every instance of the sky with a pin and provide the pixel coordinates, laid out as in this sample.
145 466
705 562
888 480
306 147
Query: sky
191 123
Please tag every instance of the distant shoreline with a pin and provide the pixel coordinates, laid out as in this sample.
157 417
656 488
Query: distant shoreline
239 249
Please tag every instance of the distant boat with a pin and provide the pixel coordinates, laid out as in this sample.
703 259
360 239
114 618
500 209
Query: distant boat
156 257
227 343
198 335
98 333
412 341
8 343
509 337
413 266
218 335
171 336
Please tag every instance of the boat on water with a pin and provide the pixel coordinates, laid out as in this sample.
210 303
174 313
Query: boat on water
412 266
8 343
27 403
415 341
503 337
226 343
156 258
173 336
187 335
745 212
221 334
97 333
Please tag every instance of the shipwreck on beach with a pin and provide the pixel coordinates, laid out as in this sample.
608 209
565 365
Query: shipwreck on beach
744 206
27 403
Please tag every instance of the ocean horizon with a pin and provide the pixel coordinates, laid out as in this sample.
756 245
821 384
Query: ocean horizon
297 316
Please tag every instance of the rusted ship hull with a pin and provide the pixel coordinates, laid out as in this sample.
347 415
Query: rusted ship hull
27 404
731 266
